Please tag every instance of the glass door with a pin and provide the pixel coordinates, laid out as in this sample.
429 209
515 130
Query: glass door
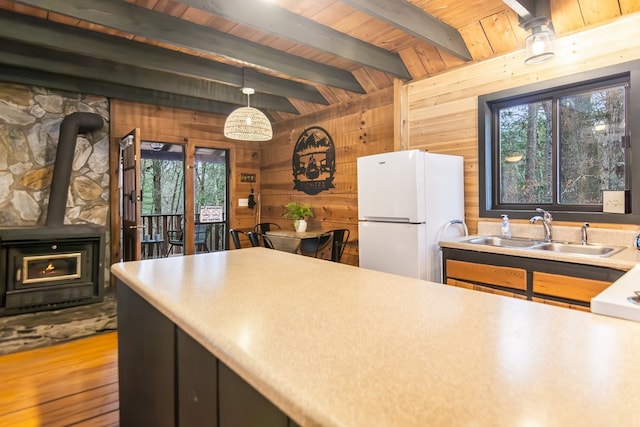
211 194
162 186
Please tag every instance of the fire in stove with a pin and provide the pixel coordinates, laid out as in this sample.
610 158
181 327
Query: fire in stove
47 268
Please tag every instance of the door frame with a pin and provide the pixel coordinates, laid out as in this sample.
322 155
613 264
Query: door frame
189 148
130 195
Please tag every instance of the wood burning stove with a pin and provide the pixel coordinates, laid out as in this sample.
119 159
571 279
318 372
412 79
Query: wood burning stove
56 265
50 267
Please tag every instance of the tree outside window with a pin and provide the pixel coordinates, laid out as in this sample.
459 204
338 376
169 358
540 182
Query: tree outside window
562 148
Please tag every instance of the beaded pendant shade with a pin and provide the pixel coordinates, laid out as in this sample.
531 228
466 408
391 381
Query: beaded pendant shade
248 123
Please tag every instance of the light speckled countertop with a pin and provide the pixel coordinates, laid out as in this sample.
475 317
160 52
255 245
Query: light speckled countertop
335 345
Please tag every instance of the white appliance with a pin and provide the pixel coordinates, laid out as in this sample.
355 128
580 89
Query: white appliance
404 199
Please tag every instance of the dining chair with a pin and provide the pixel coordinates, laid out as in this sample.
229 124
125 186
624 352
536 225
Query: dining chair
263 227
312 246
267 242
253 238
235 237
202 232
340 239
176 238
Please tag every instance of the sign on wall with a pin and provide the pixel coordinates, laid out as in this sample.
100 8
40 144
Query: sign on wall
211 214
314 161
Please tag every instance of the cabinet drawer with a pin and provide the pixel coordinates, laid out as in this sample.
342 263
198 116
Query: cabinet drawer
560 304
461 284
575 288
509 277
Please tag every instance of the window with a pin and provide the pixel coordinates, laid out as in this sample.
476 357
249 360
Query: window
558 146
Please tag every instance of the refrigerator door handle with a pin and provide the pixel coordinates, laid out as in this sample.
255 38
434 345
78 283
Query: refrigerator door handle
386 219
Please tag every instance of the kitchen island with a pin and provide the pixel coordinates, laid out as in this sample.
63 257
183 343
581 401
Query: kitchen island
225 336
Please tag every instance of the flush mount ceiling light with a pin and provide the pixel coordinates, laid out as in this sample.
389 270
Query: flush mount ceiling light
535 16
538 45
248 123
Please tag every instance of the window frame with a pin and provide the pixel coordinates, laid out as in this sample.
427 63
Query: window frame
488 155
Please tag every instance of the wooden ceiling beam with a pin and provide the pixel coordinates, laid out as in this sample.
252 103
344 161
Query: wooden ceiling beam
129 93
69 64
150 24
117 49
264 83
527 10
413 20
282 23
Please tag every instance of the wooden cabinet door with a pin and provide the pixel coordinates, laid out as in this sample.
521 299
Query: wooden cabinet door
575 288
241 405
508 277
197 388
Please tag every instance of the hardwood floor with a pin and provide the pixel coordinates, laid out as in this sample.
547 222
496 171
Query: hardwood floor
69 384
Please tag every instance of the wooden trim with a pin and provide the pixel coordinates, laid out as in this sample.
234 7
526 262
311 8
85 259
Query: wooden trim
561 304
400 113
475 287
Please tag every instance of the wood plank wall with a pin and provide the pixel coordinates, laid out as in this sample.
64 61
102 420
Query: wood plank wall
441 111
189 128
358 128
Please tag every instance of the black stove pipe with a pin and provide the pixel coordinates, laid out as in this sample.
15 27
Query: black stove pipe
71 126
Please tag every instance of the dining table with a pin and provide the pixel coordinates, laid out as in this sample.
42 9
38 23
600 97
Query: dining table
290 240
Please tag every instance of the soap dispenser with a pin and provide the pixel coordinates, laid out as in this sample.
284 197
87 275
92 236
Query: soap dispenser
505 229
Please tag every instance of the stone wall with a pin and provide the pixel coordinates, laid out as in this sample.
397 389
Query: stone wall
30 119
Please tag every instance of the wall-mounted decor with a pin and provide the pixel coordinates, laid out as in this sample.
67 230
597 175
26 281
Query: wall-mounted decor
314 161
211 214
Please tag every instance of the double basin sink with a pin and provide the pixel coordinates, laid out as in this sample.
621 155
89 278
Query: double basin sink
540 245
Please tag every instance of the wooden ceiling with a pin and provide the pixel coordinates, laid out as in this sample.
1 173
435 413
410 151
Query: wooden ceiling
299 55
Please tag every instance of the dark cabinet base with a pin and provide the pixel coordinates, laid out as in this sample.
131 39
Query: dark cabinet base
169 379
146 360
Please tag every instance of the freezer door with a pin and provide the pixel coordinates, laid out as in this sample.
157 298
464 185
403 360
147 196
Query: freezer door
394 248
391 187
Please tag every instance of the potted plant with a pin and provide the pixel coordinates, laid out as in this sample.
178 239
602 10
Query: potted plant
299 212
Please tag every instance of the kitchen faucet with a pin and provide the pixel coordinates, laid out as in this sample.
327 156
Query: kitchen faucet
583 233
546 219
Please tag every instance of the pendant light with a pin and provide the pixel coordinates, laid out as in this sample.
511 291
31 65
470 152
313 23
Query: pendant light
248 123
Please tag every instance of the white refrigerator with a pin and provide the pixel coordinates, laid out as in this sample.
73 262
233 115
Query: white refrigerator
405 198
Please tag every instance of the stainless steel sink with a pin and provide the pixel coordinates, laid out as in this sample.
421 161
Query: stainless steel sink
504 242
576 249
539 245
